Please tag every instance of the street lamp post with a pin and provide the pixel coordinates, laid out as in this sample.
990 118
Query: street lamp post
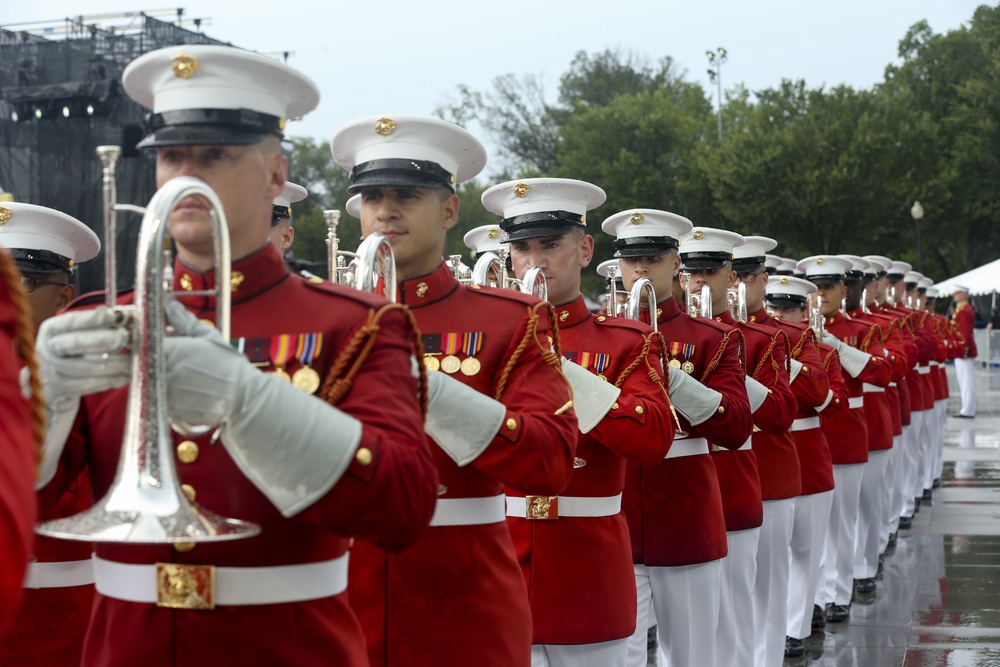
715 60
917 211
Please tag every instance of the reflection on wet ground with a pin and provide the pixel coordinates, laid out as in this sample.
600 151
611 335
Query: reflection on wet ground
939 602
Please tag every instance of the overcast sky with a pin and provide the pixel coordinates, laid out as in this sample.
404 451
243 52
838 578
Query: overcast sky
408 56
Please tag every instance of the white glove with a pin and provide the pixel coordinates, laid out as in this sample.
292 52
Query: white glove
852 359
293 446
691 398
592 396
756 392
461 420
794 367
78 354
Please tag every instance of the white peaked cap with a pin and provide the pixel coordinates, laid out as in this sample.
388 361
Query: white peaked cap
486 238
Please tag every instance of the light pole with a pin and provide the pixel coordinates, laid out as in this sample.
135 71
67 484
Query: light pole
917 211
716 59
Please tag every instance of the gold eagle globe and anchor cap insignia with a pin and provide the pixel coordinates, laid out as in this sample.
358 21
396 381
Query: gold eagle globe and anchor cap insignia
384 126
184 65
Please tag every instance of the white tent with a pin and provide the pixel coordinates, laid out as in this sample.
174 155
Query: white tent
979 281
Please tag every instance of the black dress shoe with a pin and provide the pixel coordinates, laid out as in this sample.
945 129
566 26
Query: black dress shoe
819 619
927 495
905 521
865 585
892 541
794 647
881 568
838 613
936 484
959 415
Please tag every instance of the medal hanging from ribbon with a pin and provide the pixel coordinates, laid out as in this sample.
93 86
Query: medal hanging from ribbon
450 343
675 351
281 353
472 342
601 362
432 348
688 366
309 347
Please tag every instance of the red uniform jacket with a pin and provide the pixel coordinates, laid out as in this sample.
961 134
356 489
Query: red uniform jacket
873 380
579 569
17 467
943 332
902 345
674 509
773 444
894 352
31 640
921 390
739 480
844 427
458 597
387 496
965 318
812 390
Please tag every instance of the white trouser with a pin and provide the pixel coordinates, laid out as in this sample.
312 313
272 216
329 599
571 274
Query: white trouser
965 370
736 614
602 654
837 569
912 460
923 451
937 462
870 515
891 513
812 516
770 591
685 600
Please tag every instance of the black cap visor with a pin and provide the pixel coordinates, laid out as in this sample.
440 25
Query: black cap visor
40 262
399 173
704 261
540 225
777 300
644 246
209 127
826 279
748 264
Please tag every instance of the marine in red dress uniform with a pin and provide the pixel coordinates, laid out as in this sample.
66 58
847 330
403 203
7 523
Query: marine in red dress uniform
576 556
737 471
500 412
787 296
18 508
859 443
964 318
46 245
674 509
774 448
942 332
312 471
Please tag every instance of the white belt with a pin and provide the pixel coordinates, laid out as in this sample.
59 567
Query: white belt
805 424
687 447
856 402
468 511
745 447
893 384
553 507
60 575
232 586
923 370
873 389
937 363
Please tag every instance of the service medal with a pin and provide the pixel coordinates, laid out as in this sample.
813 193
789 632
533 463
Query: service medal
306 379
675 363
280 373
431 363
450 364
687 367
470 366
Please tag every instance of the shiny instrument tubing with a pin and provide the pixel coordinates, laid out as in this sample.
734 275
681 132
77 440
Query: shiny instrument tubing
737 300
633 304
816 319
698 304
146 503
372 260
614 309
490 270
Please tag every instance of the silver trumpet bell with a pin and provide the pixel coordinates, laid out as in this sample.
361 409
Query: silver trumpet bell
736 298
633 302
145 503
372 260
490 270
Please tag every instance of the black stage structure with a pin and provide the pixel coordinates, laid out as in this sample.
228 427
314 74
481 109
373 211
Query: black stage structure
59 100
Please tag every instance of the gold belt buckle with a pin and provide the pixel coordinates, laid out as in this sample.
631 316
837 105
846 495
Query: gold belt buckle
541 507
180 586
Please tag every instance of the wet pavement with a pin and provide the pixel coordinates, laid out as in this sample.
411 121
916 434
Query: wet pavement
938 604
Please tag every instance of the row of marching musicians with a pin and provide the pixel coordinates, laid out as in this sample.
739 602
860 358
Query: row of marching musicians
541 489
